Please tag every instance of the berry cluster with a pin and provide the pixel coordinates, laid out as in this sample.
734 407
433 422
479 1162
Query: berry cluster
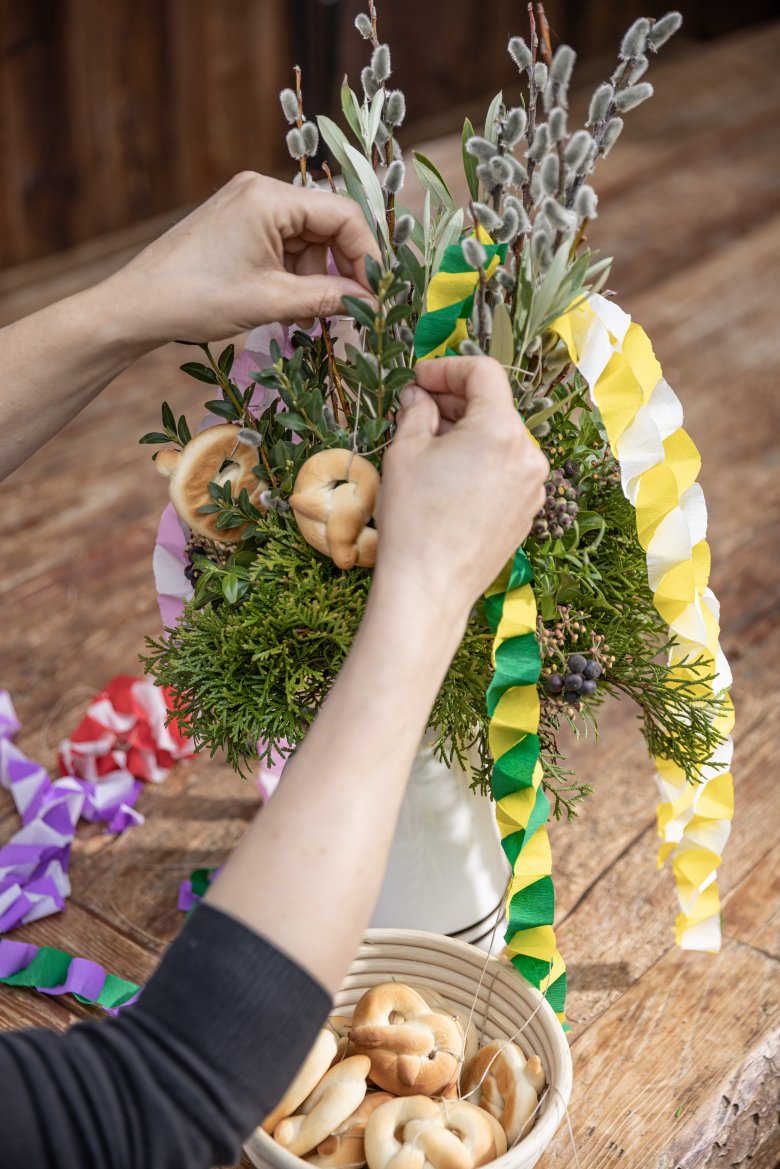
580 681
560 505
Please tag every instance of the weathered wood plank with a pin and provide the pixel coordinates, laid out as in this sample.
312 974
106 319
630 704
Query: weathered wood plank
680 1073
751 912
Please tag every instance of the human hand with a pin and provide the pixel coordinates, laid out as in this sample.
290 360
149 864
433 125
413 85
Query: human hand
255 252
461 482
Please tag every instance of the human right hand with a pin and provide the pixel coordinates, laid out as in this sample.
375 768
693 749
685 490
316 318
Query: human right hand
461 482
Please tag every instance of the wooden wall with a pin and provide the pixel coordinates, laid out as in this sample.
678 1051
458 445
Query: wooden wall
113 111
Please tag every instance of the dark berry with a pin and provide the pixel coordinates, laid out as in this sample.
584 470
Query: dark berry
572 468
540 529
572 699
561 506
572 508
566 522
592 670
573 683
554 684
557 531
589 686
549 488
570 493
577 663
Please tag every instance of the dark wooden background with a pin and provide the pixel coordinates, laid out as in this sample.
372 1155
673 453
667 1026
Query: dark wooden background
114 111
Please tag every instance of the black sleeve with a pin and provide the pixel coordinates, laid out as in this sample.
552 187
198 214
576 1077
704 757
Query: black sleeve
179 1079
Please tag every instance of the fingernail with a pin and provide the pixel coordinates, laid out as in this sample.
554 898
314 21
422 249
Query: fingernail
408 395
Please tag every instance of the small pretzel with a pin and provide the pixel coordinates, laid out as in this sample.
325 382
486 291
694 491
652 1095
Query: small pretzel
470 1038
334 498
501 1080
201 462
413 1050
338 1094
415 1132
345 1148
311 1072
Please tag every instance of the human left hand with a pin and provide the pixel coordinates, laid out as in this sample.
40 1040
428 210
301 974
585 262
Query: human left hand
255 252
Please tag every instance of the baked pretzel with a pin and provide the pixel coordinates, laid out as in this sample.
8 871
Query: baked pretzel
503 1082
413 1050
213 455
345 1148
340 1091
333 500
470 1038
415 1132
311 1072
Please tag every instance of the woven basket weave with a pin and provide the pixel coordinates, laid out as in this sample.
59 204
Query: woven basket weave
503 1003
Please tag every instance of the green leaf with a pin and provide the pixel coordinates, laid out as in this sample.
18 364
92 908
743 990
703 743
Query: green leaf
373 119
265 377
469 162
231 588
355 193
491 132
371 188
222 409
168 420
502 341
184 431
335 141
226 357
449 233
432 181
200 372
359 309
397 378
349 104
154 436
290 420
373 273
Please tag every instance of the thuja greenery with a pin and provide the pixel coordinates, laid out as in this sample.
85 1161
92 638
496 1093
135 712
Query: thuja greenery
272 620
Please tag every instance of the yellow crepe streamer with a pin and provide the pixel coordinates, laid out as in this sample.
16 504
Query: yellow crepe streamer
659 464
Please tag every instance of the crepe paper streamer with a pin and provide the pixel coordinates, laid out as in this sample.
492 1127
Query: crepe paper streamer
121 741
450 299
659 464
54 972
522 808
193 889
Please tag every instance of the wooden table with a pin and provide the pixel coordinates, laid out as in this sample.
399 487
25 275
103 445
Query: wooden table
676 1055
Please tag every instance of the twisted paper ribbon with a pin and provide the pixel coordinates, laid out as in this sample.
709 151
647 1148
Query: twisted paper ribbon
51 971
450 299
522 809
659 464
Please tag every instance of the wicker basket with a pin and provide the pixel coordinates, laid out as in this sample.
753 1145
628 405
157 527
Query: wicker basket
504 1002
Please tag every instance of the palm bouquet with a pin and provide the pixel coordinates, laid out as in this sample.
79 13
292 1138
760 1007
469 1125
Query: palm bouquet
297 430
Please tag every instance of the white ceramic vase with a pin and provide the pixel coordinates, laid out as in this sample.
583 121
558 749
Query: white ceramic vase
447 872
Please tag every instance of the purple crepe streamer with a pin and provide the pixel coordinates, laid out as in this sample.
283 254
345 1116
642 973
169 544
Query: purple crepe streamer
34 863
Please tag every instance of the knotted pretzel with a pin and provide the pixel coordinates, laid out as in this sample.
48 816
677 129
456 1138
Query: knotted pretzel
334 498
345 1148
470 1038
338 1094
415 1132
413 1050
501 1080
311 1072
213 456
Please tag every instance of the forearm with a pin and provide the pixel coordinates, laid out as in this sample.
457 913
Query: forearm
54 363
308 871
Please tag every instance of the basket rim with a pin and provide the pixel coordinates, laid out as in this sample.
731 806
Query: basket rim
532 1146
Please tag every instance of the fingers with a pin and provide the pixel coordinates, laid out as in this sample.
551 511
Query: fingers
300 297
419 417
466 385
320 217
